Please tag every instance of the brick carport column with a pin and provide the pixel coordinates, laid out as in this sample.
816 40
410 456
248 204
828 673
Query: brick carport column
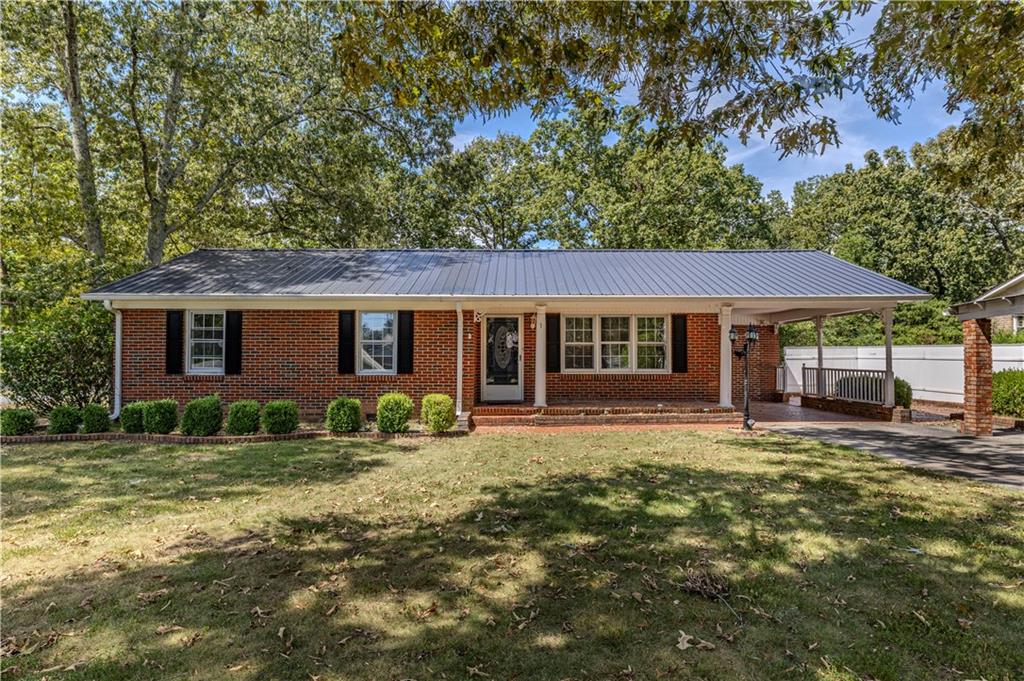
977 377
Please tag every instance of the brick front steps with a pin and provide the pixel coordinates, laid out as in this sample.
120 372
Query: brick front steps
596 414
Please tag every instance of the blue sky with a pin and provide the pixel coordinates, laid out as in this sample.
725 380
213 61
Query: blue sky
859 131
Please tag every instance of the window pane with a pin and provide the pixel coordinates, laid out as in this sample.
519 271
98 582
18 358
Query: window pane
614 355
650 329
650 357
615 329
579 330
379 326
377 357
206 341
579 356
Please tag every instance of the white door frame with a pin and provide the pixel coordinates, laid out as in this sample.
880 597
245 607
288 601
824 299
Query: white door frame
501 393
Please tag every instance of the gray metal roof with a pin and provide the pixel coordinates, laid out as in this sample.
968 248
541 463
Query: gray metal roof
499 273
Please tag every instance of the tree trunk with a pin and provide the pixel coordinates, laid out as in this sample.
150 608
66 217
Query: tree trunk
67 56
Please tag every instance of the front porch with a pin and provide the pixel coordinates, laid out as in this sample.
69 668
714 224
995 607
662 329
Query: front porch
630 412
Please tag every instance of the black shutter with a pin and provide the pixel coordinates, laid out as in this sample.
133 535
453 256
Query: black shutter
174 347
233 342
554 343
405 342
679 344
346 342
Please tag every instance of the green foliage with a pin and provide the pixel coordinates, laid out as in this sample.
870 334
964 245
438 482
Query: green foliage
1008 393
344 415
202 416
61 356
243 418
17 422
64 420
393 412
1008 337
95 419
160 416
904 393
280 416
437 411
914 324
132 417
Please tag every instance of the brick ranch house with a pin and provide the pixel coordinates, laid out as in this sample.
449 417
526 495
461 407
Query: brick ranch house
527 330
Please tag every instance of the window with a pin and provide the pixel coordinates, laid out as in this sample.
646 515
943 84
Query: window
650 343
1018 323
377 340
579 343
615 343
206 342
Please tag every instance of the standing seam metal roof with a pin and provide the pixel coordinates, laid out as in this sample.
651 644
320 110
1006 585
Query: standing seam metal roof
501 273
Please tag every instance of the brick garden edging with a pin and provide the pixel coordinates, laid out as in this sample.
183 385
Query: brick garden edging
219 439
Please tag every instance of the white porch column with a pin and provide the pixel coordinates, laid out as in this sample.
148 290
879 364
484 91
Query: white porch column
540 356
458 359
724 357
819 387
890 379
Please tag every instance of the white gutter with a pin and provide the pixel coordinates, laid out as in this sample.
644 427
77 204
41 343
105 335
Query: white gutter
458 360
117 359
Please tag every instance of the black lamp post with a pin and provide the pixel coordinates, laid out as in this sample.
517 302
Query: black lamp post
748 344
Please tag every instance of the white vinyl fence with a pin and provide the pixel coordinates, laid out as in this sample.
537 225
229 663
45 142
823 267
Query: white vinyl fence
935 372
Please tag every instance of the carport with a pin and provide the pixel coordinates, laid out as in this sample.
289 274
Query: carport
1005 299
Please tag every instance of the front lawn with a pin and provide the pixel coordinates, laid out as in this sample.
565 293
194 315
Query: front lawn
655 555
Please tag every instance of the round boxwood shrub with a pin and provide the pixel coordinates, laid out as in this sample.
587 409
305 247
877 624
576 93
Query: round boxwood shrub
393 412
132 417
437 412
160 416
904 393
64 420
17 422
202 416
95 419
280 416
344 415
243 418
1008 393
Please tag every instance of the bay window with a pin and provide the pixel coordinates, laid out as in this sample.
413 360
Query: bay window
206 342
377 340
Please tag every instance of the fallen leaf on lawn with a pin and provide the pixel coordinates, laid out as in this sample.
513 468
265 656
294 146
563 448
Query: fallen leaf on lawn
686 641
191 640
475 671
167 628
147 597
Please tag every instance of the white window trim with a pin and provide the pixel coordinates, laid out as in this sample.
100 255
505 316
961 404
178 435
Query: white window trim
1018 323
205 371
359 345
593 343
633 343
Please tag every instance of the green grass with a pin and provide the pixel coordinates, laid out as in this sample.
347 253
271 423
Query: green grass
531 556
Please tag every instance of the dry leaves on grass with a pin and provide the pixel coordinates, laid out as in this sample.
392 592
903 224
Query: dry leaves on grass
686 641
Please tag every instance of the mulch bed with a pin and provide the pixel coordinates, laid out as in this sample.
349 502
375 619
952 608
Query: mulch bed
174 439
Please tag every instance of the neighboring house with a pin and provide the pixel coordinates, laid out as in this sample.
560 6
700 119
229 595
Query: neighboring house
539 327
1011 323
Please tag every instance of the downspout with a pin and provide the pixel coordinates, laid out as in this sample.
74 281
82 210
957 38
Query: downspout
458 359
117 359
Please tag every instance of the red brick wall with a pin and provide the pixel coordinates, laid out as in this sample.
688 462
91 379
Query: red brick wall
293 354
977 377
763 360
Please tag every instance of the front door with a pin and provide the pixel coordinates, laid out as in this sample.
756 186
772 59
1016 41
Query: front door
503 359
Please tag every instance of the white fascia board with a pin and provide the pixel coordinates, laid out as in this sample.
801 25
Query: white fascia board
1003 289
986 309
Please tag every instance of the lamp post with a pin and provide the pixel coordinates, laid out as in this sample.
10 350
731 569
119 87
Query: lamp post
748 344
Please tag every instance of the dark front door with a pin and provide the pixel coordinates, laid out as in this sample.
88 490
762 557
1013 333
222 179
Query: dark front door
503 380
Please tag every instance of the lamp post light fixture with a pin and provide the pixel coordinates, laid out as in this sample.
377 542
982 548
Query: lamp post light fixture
748 344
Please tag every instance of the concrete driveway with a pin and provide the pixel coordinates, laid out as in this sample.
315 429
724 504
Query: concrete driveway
998 459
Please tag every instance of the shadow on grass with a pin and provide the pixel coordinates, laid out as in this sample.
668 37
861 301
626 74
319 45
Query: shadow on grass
831 572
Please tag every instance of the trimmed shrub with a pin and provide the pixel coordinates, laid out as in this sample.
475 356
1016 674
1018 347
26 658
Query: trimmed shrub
64 420
160 416
849 387
243 418
393 412
280 416
1008 393
344 415
17 422
95 419
437 411
202 416
132 417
